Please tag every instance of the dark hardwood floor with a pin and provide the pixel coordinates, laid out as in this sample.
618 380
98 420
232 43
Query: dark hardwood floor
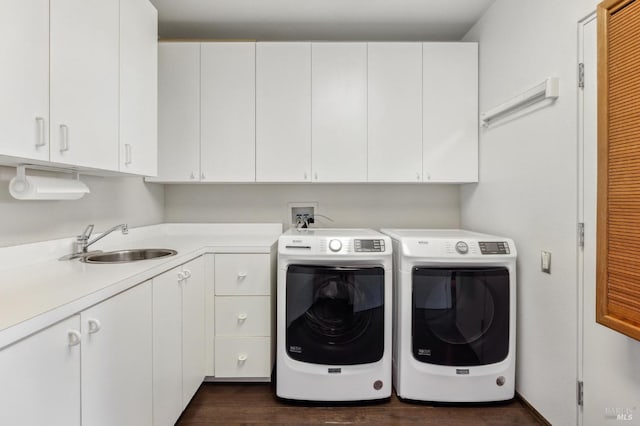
225 403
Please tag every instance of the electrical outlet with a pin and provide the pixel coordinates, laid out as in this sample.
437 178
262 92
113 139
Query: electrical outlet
545 262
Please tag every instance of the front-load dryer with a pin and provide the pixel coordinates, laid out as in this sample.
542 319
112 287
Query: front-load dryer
334 314
454 316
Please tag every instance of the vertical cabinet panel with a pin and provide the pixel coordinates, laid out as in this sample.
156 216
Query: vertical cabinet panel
450 112
179 111
193 329
228 112
178 339
167 348
117 360
395 112
41 378
283 112
24 78
138 87
84 82
339 112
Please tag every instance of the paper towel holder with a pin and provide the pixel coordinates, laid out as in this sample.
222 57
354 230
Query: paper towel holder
23 187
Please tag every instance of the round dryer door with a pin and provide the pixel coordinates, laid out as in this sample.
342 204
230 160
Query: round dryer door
460 317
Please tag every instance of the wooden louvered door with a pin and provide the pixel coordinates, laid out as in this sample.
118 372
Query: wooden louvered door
618 234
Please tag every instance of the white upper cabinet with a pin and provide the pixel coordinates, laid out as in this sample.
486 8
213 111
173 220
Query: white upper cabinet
24 78
283 112
339 112
395 112
179 112
228 112
450 112
84 82
138 87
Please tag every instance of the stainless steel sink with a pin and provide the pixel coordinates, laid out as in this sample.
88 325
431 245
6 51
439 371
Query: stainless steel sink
124 256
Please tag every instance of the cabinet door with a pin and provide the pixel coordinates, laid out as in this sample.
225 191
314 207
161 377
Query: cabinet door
450 112
179 112
24 78
193 328
84 82
395 112
138 87
339 112
41 378
283 112
167 347
117 360
228 112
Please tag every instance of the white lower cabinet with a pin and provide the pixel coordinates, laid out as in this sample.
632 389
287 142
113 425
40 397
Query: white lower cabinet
178 339
41 377
243 316
243 357
116 360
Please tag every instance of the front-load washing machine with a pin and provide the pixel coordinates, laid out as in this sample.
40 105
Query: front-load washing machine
454 316
334 314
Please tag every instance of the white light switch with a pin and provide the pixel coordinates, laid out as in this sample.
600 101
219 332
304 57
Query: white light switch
546 262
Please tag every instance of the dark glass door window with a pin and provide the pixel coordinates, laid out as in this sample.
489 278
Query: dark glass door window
335 315
460 316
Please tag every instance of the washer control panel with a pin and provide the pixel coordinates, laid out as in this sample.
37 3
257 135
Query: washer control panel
494 247
368 246
462 247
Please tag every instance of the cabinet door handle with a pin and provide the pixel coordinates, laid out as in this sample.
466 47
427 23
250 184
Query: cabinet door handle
64 138
202 176
305 175
40 141
94 325
242 317
242 357
74 337
417 175
192 176
187 273
242 275
181 276
315 176
127 154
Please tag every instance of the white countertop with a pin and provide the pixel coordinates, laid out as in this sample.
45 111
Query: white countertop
38 290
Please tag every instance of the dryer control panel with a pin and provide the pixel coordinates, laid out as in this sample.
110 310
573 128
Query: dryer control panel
494 247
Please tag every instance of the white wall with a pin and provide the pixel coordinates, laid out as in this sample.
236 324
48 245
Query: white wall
111 201
364 205
528 189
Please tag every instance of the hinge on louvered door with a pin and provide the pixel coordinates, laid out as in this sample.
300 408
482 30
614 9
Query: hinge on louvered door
581 234
580 393
581 75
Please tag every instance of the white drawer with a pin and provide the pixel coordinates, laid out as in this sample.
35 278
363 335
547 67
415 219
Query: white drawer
243 315
242 274
243 357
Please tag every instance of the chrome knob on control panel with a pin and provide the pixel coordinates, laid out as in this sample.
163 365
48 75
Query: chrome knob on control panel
462 247
335 245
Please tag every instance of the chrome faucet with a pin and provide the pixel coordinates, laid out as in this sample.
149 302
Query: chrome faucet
82 242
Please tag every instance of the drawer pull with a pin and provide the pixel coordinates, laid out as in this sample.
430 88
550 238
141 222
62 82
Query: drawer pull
187 273
242 317
74 337
94 325
242 275
242 358
181 276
